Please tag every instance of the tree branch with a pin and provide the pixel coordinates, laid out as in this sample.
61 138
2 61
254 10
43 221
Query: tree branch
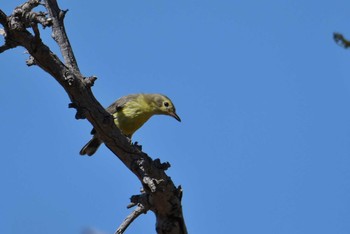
340 40
128 220
60 35
162 197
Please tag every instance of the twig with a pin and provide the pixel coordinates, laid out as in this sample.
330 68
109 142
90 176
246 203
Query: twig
340 40
130 218
60 35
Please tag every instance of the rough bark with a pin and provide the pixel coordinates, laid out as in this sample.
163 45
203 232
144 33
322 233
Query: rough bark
159 194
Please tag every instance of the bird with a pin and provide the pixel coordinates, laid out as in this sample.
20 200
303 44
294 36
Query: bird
130 112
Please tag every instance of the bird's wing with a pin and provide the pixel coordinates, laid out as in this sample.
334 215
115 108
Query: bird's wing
120 103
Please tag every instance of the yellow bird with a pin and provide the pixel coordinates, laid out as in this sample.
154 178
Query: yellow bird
130 113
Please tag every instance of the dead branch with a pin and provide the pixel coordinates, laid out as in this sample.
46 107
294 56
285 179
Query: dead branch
340 40
162 197
128 220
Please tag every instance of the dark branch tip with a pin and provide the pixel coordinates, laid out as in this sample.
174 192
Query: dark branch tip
139 199
90 81
62 14
73 105
131 205
163 166
80 111
340 40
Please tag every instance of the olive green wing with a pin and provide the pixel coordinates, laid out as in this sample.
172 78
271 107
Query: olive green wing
120 103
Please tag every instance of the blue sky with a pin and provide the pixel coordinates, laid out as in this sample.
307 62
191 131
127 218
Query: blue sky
263 92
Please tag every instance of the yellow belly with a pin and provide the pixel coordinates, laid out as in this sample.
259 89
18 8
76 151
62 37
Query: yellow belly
130 121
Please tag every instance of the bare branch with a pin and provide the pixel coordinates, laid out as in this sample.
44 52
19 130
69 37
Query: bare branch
340 40
160 194
128 220
60 35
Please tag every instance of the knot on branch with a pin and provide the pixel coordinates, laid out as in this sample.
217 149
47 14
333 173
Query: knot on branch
90 81
141 199
143 166
69 77
137 146
163 166
30 61
80 111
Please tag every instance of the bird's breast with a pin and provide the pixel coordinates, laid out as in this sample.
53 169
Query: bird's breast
129 121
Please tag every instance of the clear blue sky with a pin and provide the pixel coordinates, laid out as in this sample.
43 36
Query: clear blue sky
263 92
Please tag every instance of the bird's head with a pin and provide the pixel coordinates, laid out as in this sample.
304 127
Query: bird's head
165 106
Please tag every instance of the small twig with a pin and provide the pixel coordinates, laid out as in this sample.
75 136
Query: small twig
80 112
139 199
90 81
340 40
164 166
128 220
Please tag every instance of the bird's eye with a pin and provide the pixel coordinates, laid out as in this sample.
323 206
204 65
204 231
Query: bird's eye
166 104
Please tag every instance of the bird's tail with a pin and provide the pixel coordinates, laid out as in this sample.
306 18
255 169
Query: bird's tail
91 147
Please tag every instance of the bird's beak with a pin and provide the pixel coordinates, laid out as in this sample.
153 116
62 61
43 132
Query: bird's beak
173 114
